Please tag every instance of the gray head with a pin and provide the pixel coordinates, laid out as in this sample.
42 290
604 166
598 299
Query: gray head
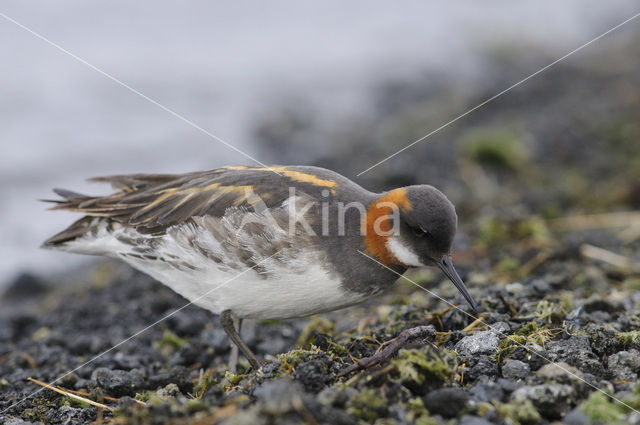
423 236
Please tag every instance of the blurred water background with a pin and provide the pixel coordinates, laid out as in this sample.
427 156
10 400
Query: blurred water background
285 82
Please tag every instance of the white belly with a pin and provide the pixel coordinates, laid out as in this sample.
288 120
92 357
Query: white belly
208 272
248 295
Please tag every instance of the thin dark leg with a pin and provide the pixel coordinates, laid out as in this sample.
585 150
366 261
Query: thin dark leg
233 356
227 324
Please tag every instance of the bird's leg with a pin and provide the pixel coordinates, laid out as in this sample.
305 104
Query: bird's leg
233 356
227 324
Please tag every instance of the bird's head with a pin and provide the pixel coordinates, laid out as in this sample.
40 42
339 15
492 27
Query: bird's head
416 225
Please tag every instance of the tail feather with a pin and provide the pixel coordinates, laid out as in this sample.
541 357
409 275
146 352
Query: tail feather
76 230
68 194
70 201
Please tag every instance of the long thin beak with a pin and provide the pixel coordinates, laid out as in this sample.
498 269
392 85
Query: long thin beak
446 265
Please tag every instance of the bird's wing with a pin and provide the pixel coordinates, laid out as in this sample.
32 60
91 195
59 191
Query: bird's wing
153 202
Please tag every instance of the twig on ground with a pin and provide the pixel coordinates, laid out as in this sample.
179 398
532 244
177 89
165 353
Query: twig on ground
393 346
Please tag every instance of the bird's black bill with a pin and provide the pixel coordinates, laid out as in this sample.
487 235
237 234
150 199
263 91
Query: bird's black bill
446 265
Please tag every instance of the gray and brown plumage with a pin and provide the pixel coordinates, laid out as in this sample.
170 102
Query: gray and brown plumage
224 238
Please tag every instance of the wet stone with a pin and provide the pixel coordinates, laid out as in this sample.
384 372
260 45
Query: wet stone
483 342
312 375
575 417
501 328
276 395
118 382
15 421
597 303
540 287
335 398
480 366
171 390
447 402
486 391
562 373
68 414
625 365
515 369
125 401
509 385
473 420
577 352
603 340
551 400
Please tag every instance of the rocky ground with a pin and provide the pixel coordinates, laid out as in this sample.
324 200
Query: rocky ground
555 344
546 182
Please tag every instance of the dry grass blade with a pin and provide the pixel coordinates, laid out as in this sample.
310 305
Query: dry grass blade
473 324
608 257
71 395
84 394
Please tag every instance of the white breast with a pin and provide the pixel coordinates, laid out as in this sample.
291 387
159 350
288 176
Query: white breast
200 261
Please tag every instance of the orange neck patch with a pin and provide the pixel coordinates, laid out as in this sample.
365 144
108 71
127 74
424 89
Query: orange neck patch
378 224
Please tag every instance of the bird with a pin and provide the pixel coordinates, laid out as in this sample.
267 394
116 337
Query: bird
272 242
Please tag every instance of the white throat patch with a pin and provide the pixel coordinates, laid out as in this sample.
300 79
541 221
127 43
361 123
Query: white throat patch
402 252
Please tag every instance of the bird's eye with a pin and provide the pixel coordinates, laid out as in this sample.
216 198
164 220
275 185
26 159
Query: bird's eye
418 231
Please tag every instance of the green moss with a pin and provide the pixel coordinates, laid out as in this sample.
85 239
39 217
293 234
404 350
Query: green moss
498 149
579 279
527 329
628 338
143 396
73 402
234 378
508 264
418 366
418 414
533 228
549 312
599 408
529 333
290 360
631 284
169 339
493 231
317 324
566 300
496 231
520 413
206 381
194 405
484 407
336 349
367 406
